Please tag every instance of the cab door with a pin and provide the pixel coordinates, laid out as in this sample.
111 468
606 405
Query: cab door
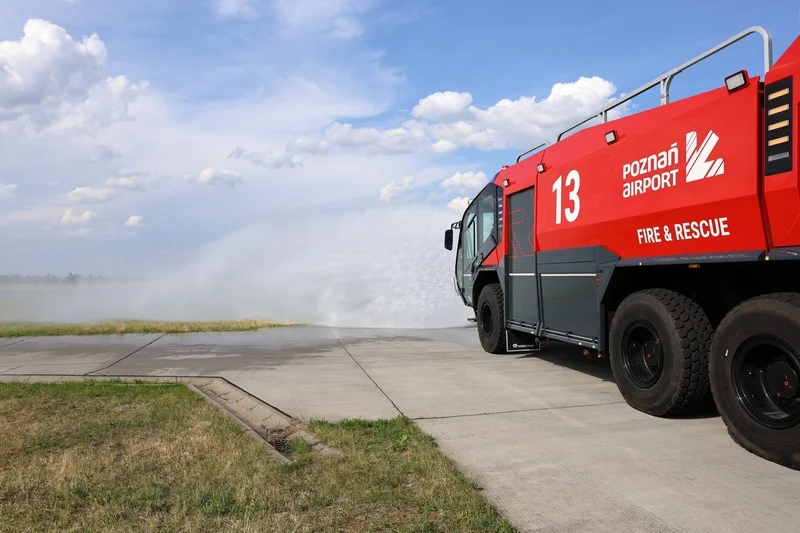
467 252
479 237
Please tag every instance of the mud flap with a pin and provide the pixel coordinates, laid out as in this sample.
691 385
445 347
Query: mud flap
519 341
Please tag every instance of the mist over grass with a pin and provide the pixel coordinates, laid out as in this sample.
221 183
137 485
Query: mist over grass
381 267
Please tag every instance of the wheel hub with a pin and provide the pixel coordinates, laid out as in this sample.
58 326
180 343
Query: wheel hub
782 380
642 354
652 353
487 320
765 378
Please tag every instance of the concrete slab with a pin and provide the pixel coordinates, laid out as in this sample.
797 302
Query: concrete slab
79 351
425 382
611 468
331 388
11 341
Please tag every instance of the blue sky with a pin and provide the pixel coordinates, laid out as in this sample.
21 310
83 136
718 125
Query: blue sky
234 111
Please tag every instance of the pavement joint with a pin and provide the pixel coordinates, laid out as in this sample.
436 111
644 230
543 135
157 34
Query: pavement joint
130 354
6 372
370 378
16 342
512 411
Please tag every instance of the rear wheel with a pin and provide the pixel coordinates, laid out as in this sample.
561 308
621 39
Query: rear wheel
491 319
755 376
659 345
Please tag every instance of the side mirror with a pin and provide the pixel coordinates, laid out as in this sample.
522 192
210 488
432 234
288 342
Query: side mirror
448 239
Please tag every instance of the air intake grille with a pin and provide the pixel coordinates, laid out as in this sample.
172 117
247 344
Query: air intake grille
778 117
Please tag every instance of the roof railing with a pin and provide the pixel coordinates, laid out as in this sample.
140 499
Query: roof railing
523 154
665 80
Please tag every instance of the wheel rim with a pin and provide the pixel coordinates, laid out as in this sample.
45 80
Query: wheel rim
766 377
487 320
642 354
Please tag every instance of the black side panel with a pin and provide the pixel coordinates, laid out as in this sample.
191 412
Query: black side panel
523 295
570 293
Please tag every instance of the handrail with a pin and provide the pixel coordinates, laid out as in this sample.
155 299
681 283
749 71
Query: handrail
666 79
523 154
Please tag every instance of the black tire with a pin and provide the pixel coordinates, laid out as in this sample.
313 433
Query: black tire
753 332
491 319
659 345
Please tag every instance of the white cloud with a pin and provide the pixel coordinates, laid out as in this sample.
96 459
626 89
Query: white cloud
339 18
459 205
216 176
71 217
49 80
443 146
8 190
465 180
294 154
443 106
393 188
133 221
90 194
236 8
454 123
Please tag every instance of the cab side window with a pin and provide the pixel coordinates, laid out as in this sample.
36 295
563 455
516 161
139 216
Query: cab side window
487 216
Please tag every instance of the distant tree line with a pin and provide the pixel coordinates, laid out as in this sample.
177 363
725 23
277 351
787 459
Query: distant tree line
69 278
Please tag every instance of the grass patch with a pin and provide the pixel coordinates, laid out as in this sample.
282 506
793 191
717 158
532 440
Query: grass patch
112 456
114 327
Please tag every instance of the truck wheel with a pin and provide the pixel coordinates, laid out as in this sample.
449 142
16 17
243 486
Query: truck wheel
755 376
491 320
659 345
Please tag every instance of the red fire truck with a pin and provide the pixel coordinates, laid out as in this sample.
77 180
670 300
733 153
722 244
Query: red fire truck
667 240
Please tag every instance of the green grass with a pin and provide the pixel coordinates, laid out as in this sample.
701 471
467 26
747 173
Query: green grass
110 456
113 327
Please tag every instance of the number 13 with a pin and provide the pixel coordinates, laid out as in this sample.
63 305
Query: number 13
572 212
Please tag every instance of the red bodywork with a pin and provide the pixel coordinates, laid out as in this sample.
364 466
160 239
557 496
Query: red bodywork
664 188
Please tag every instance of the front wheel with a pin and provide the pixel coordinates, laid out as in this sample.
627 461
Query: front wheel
491 319
755 376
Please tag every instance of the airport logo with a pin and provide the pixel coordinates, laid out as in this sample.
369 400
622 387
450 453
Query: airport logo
698 165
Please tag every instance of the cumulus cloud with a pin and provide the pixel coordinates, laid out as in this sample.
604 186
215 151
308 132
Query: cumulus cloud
459 205
443 106
394 187
294 154
47 79
446 121
133 221
465 180
90 194
73 217
8 190
216 176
